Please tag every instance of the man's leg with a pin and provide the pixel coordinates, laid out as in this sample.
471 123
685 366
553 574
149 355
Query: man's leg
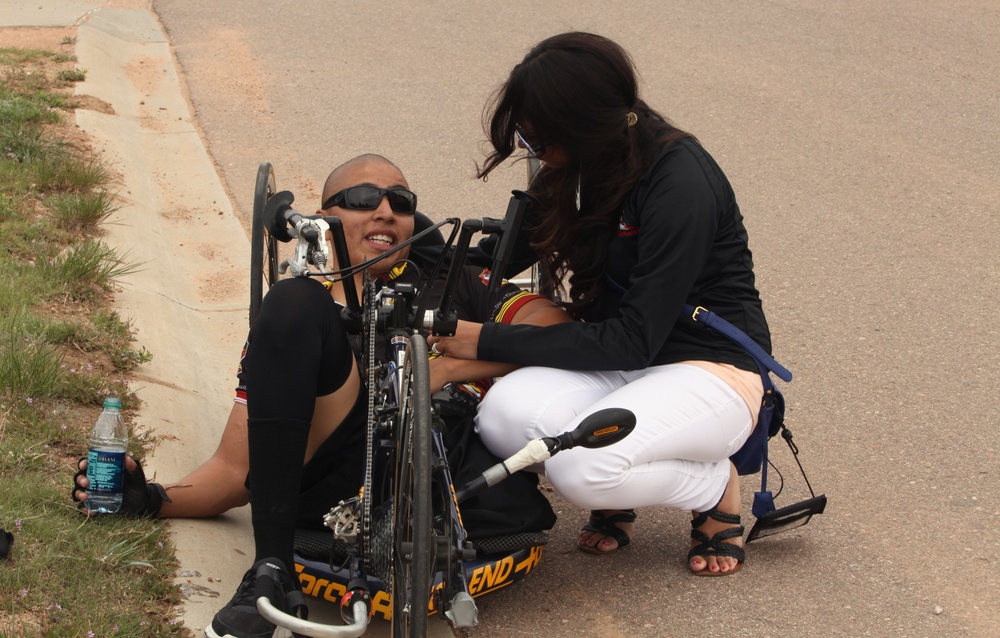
297 351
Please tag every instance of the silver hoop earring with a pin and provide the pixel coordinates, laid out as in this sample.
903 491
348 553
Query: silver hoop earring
579 179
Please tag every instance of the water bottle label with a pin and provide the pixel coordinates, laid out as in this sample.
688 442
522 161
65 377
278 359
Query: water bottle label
104 470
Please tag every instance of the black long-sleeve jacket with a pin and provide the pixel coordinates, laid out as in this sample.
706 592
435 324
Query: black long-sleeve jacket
681 239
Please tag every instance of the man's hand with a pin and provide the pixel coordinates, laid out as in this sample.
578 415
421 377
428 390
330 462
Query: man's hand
449 369
138 497
439 373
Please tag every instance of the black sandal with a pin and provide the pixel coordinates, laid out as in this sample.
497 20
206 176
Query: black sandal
607 525
714 546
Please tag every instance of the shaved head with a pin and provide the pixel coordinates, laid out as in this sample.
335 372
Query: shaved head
346 174
369 232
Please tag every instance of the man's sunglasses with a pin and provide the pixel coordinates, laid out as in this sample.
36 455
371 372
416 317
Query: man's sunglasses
369 198
534 147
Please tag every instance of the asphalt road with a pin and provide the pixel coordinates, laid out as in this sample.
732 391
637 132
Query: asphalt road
862 141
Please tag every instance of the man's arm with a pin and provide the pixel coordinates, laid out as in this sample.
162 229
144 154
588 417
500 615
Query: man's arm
214 487
218 484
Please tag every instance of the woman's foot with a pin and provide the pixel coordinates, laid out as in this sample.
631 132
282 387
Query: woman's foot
717 536
607 531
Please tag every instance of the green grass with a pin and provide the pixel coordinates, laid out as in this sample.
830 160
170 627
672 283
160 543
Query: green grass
29 366
81 270
72 75
63 349
82 211
15 108
14 60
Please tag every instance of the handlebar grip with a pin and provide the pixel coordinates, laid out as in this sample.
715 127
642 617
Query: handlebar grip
601 428
492 225
279 214
344 262
444 317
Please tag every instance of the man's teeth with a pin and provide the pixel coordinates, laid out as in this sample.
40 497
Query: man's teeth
381 239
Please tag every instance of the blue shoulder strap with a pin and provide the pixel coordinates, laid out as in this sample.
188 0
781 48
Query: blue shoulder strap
765 362
763 359
763 500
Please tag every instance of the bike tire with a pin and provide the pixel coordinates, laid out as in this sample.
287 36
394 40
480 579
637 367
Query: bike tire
263 247
413 559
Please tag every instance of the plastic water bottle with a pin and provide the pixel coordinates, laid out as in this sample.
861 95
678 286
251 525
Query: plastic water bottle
106 459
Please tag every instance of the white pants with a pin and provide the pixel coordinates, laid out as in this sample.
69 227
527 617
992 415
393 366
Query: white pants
689 422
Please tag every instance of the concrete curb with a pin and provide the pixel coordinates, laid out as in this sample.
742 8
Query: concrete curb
189 301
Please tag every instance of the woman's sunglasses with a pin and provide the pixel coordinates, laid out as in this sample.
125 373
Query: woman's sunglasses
369 198
534 147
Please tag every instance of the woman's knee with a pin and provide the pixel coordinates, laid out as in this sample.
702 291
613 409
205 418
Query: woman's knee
587 479
500 435
504 403
546 398
507 419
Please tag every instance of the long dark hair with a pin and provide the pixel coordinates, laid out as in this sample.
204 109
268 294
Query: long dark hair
577 90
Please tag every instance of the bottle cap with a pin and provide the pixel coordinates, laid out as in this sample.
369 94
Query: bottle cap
112 402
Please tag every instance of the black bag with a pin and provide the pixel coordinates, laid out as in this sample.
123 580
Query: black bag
513 506
770 420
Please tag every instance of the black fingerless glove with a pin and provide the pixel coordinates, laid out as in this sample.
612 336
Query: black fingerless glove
6 542
139 498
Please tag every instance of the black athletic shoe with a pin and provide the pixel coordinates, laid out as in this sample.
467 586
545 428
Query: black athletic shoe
240 618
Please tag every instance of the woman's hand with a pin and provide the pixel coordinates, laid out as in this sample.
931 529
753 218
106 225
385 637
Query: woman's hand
464 345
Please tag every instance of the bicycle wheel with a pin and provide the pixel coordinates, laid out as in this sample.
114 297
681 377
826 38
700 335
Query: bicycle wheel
263 247
412 560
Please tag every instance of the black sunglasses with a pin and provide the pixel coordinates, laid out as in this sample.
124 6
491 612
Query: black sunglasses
534 147
369 198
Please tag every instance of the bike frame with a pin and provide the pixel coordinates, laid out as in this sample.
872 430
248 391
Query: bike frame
393 314
425 549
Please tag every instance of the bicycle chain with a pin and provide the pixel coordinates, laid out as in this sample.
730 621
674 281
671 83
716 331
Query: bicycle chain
367 494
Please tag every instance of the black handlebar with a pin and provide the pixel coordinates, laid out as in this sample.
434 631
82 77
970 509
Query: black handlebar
445 321
508 230
353 310
280 219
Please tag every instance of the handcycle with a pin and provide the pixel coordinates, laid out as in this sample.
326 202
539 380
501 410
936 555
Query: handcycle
403 532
